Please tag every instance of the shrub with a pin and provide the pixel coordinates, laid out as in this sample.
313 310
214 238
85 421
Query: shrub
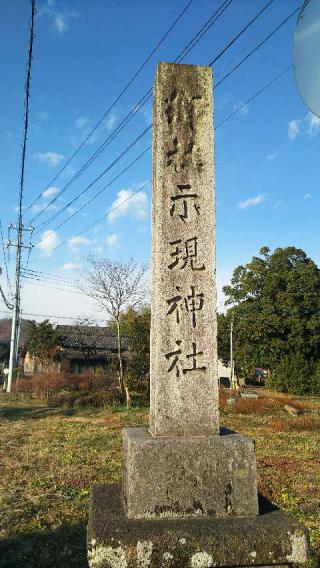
23 387
223 397
96 399
298 424
45 385
315 387
293 374
253 406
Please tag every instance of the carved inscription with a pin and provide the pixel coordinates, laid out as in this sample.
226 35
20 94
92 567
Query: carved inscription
182 154
181 113
185 253
191 303
177 363
181 202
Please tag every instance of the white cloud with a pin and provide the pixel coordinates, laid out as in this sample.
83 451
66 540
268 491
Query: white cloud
241 108
70 266
60 23
51 159
49 240
60 20
293 129
50 192
43 116
75 242
272 156
82 122
251 201
41 206
83 127
313 124
222 102
280 205
112 240
129 204
307 196
111 120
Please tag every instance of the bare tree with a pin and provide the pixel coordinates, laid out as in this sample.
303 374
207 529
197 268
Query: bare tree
116 286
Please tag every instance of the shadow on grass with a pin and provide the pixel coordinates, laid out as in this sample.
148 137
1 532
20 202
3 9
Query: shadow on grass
34 413
64 547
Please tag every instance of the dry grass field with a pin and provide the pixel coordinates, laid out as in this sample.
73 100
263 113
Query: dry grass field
51 456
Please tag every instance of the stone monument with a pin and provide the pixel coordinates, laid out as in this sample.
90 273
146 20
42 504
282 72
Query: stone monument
189 489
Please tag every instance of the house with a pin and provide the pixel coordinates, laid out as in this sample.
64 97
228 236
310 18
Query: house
224 374
81 349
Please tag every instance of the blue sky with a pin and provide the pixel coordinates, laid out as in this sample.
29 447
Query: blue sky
266 155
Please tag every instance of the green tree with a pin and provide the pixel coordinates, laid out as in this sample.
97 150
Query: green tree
224 337
293 374
42 342
275 300
136 327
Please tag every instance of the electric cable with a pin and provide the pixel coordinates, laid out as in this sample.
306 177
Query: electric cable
131 114
105 114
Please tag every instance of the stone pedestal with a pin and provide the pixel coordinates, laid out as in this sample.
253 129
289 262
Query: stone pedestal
213 476
115 541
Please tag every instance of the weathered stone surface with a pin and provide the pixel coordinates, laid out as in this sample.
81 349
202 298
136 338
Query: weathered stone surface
183 359
211 476
114 541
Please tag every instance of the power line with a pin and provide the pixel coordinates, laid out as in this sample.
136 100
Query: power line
20 228
116 100
102 217
136 108
50 316
105 171
47 275
217 85
49 280
7 303
235 38
236 111
38 282
220 82
5 259
205 28
257 46
100 191
250 99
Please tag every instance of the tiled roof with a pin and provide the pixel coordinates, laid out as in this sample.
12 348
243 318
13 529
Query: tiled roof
88 342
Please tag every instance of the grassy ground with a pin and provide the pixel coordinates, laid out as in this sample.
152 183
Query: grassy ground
50 457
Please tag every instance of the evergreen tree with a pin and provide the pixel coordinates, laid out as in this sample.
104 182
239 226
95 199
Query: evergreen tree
275 302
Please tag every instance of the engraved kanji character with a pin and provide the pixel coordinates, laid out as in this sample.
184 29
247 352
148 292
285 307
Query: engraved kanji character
184 196
175 361
193 356
190 257
174 304
193 305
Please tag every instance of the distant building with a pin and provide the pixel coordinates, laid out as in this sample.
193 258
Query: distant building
80 349
224 374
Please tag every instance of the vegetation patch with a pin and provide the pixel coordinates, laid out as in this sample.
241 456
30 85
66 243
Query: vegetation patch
51 456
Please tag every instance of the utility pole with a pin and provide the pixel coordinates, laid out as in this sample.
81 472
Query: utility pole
233 379
15 326
19 227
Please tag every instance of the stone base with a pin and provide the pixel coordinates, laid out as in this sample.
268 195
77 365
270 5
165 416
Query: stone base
114 541
198 476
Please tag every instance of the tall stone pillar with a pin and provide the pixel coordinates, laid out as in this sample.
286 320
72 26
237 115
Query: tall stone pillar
189 491
182 466
183 361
